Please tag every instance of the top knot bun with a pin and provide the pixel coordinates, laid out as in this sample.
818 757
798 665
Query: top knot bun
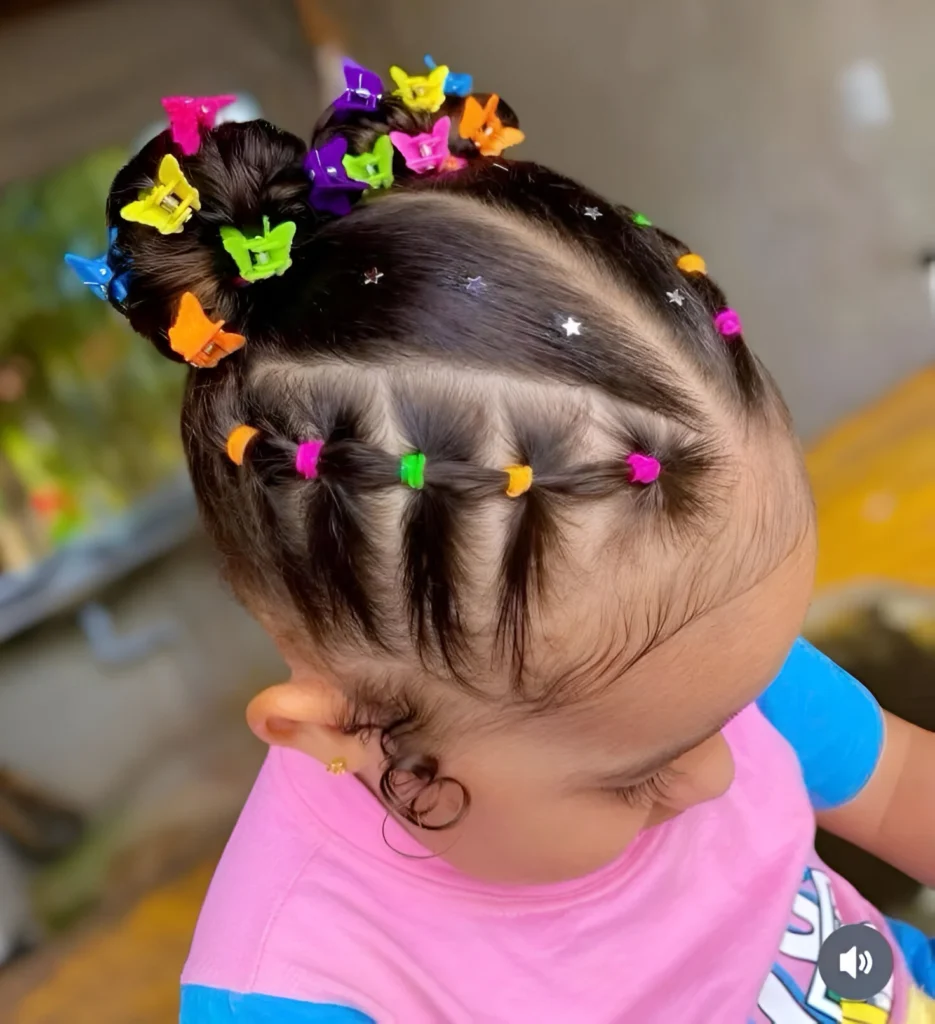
246 175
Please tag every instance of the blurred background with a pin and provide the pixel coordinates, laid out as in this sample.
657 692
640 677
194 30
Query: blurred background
791 144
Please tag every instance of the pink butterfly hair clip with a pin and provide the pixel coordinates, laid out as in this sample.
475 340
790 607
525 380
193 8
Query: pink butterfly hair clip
189 114
428 151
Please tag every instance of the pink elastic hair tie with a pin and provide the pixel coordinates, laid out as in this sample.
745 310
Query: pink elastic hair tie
644 469
306 458
728 322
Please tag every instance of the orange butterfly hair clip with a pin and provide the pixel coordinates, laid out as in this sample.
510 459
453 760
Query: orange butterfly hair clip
481 125
197 339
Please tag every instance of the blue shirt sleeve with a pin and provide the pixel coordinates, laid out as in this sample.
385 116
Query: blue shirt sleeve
831 721
201 1005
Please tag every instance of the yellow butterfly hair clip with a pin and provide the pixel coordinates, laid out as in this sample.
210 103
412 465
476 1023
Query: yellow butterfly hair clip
421 92
168 204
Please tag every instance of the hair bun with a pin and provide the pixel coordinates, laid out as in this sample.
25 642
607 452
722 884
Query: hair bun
250 183
477 124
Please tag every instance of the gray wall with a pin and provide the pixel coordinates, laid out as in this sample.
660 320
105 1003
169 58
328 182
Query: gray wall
726 121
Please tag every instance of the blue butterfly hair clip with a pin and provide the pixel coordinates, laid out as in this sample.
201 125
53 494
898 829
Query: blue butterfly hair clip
98 275
455 85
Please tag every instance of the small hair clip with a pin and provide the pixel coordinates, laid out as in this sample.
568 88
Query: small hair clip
728 323
306 458
237 441
455 85
481 125
364 88
641 220
374 169
412 470
189 114
519 480
644 469
332 190
692 263
98 275
421 92
197 339
168 205
260 256
425 152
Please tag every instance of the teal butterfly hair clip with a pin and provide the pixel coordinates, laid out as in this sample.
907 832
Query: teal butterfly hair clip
98 275
260 256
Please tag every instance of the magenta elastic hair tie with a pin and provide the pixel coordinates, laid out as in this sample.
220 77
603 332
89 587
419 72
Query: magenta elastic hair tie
644 469
728 322
306 458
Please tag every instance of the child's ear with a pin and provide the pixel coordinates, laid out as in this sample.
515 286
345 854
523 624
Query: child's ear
306 716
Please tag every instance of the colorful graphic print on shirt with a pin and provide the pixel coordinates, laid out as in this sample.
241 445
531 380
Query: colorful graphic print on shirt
794 991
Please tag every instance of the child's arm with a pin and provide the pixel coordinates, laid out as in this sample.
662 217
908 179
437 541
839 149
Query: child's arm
870 776
893 816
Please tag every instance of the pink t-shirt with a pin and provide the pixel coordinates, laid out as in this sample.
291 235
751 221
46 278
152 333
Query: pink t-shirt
714 917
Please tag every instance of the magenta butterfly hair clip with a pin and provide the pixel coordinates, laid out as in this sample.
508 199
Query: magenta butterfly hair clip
428 151
189 114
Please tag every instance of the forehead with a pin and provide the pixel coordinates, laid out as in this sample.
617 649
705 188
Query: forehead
687 686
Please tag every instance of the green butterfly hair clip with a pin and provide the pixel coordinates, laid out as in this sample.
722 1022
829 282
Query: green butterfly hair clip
374 168
260 256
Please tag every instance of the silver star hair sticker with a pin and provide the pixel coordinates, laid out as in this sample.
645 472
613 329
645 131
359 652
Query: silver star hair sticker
476 285
593 212
571 326
676 297
373 276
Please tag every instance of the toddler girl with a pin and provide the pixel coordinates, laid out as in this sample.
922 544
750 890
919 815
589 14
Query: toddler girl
489 458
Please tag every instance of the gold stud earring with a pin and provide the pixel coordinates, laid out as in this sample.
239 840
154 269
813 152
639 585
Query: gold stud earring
337 766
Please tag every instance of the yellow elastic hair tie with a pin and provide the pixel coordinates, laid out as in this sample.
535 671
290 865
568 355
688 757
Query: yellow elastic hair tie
692 263
237 441
520 480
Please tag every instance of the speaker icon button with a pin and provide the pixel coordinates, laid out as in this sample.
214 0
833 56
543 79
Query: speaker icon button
856 961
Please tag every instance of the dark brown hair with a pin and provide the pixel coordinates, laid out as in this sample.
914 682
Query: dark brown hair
486 271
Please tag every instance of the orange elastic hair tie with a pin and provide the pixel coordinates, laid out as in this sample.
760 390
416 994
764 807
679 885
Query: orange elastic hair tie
237 441
520 480
692 263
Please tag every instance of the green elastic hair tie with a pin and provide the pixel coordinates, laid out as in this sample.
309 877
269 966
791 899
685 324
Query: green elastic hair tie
412 470
264 255
641 220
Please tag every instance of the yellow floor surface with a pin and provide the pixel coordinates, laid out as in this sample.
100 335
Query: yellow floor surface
874 481
127 972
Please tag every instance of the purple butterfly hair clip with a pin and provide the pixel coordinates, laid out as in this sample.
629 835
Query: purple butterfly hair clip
428 151
364 88
332 190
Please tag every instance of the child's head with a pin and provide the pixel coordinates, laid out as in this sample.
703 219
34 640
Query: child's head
508 657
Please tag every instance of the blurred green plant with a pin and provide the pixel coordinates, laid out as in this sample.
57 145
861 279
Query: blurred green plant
88 411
